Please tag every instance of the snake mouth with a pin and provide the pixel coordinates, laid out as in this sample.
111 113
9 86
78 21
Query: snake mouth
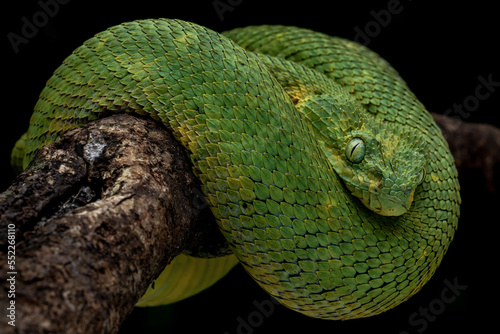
390 205
395 204
392 211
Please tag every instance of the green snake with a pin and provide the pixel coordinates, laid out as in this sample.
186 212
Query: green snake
331 182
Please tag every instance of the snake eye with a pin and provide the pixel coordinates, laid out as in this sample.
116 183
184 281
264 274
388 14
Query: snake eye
355 150
421 176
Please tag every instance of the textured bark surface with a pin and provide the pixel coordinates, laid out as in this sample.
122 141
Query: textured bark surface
475 147
97 217
100 213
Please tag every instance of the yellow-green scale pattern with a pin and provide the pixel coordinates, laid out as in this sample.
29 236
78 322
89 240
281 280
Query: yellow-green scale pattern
285 212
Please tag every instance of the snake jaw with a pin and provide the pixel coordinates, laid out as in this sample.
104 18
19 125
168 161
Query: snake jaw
395 203
394 206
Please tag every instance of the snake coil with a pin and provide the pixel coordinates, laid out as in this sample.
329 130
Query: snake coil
330 181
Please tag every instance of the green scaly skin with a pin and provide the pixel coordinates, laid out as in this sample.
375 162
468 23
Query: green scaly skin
329 179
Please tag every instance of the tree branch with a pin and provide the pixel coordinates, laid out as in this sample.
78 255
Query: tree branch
100 213
97 217
475 147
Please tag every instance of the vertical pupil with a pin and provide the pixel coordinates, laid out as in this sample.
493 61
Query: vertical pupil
352 151
355 150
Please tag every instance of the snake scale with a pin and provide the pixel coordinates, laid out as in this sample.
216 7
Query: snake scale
331 182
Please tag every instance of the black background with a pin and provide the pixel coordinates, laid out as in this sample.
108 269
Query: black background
440 49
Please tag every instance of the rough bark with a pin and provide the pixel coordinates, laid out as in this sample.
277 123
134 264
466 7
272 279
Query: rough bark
96 217
102 211
475 147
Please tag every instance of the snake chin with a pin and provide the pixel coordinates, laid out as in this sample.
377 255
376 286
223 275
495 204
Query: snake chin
391 206
384 204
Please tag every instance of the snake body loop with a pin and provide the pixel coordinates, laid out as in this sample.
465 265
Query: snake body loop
328 178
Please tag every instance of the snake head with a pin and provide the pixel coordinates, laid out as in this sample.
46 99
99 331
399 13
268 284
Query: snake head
381 167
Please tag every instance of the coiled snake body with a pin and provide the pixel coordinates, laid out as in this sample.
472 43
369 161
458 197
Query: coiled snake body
328 178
